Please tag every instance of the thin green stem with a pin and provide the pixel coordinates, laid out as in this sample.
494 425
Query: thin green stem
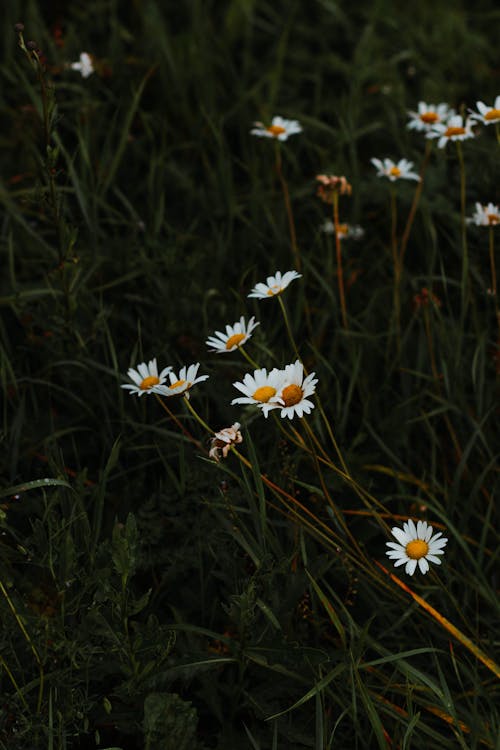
248 358
338 248
397 268
288 206
416 199
289 330
492 264
465 249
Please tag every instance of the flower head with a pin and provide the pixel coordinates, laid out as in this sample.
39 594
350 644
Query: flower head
146 378
182 384
235 336
344 231
456 128
428 115
487 115
223 440
279 129
330 185
391 170
485 216
416 546
292 396
84 65
274 285
260 388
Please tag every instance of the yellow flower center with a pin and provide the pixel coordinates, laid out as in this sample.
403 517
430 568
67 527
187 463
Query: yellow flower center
149 382
264 393
429 118
234 340
493 114
417 549
451 131
275 289
292 394
177 384
276 130
493 218
395 171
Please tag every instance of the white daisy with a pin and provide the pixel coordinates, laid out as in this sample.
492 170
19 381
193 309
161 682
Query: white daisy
183 383
235 336
84 66
399 171
416 545
292 396
260 388
456 128
274 284
146 378
485 216
279 128
344 231
428 115
487 115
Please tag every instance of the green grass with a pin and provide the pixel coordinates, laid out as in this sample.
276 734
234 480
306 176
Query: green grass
149 597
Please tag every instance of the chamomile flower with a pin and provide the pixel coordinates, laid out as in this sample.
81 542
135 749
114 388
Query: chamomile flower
391 170
280 129
274 284
428 115
235 336
292 396
487 115
182 384
485 216
146 378
416 546
260 388
84 65
344 231
456 128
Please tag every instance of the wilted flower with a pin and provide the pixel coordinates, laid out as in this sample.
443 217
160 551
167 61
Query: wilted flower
274 284
280 129
330 185
456 128
391 170
485 216
84 66
487 115
182 384
146 378
235 336
428 115
416 545
223 441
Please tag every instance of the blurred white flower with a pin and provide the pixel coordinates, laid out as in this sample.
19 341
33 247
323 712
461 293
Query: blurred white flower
260 388
146 378
485 216
456 128
487 115
428 115
416 546
223 440
235 336
391 170
84 65
292 396
279 129
274 284
182 384
344 231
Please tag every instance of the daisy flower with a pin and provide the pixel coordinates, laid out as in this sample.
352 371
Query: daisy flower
428 115
223 441
84 65
292 396
485 216
182 384
146 378
416 545
487 115
280 129
456 128
274 284
345 231
260 388
235 336
399 171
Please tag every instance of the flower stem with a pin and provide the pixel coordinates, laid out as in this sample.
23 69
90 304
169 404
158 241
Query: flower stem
289 330
415 202
288 206
340 273
397 261
465 249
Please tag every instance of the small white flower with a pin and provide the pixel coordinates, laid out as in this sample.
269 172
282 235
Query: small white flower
84 66
146 378
416 546
279 129
183 383
487 115
456 128
224 439
260 388
428 115
292 396
391 170
485 216
274 284
235 336
344 232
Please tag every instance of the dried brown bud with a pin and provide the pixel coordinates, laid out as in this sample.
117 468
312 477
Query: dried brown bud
330 184
31 45
18 27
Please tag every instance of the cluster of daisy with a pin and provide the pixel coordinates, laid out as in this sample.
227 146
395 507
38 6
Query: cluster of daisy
147 379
